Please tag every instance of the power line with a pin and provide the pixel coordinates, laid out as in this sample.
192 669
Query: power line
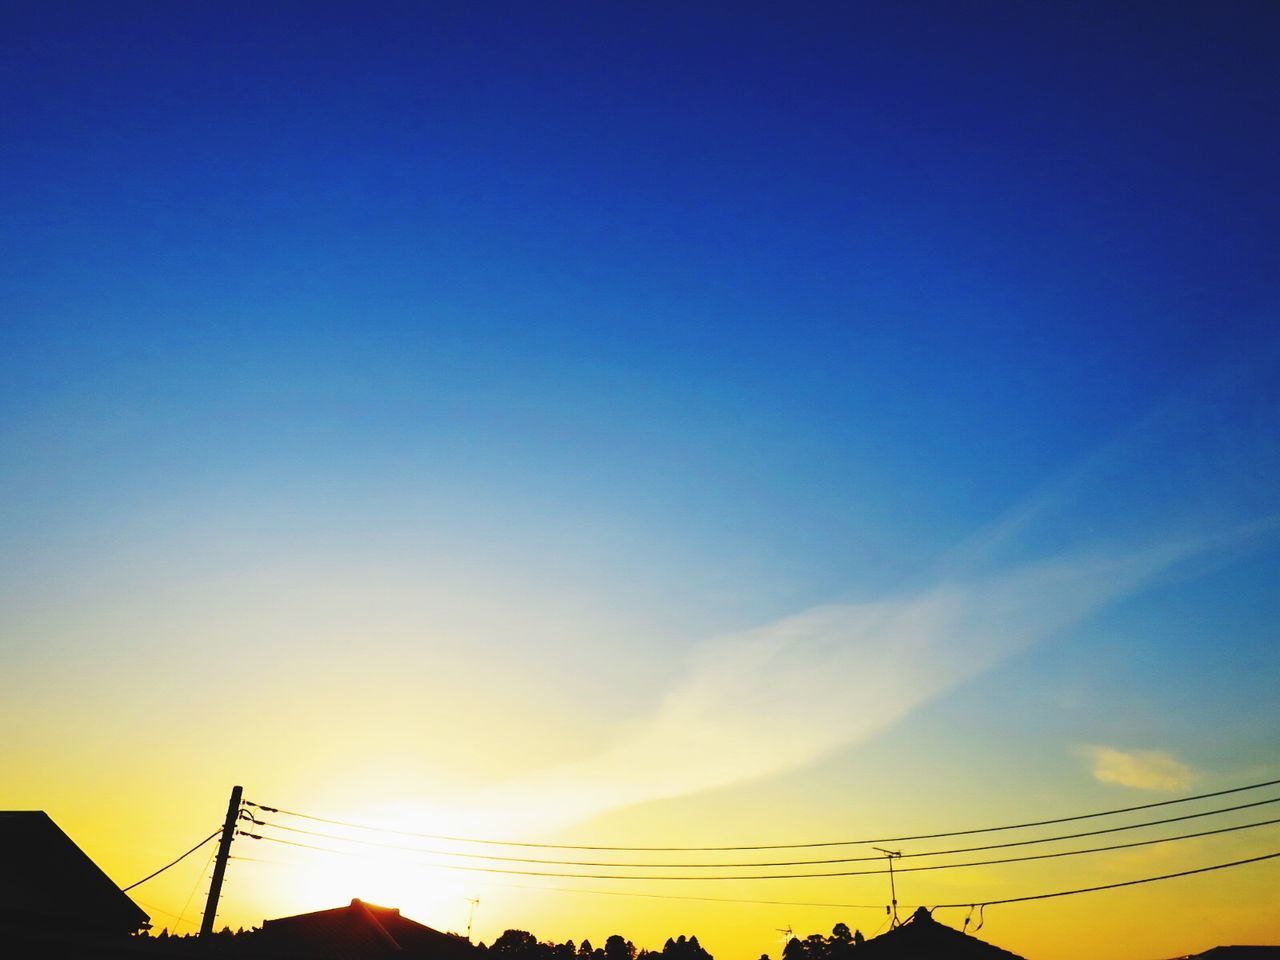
876 932
1114 846
283 863
864 906
644 895
781 876
777 863
672 896
1096 833
168 913
778 846
186 906
1113 886
171 864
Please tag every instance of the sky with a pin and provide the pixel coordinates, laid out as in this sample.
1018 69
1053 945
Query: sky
644 425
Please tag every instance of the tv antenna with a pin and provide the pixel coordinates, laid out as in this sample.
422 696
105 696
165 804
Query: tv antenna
891 855
787 935
471 914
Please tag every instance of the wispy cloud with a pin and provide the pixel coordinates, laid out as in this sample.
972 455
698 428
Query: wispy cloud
1141 769
775 698
760 702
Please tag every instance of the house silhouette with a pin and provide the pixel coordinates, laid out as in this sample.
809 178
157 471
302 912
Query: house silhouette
923 938
357 931
49 886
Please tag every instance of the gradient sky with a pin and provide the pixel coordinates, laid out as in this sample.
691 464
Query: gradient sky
649 424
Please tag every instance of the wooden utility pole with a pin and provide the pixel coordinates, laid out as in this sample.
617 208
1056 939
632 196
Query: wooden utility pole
220 864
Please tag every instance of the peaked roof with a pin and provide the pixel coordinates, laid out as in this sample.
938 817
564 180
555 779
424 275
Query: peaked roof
358 930
1238 953
924 937
45 878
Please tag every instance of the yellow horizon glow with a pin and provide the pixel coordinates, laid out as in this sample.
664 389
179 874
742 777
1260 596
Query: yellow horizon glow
1162 919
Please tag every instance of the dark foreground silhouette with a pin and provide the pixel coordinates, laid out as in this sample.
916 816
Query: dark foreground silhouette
56 903
361 930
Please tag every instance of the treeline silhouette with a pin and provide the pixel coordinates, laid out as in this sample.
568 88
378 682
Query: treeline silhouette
839 946
522 945
511 945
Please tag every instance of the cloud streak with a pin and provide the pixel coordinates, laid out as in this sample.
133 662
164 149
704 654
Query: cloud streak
764 701
775 698
1140 769
780 696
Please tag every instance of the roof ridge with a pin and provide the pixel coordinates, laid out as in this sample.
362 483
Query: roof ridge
363 908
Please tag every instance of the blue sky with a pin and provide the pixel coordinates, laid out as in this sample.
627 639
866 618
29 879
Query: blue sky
804 262
579 334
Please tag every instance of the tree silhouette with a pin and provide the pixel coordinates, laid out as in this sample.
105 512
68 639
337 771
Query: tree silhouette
616 948
683 948
516 945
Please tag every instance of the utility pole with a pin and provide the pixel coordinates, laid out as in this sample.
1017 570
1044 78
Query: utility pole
893 893
220 864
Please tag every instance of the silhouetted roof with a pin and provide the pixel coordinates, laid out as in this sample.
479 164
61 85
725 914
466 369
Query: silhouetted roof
1237 953
924 938
46 879
356 931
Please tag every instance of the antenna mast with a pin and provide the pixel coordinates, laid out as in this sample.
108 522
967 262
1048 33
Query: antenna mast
787 936
471 914
891 855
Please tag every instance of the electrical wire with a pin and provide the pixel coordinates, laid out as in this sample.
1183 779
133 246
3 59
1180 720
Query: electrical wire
644 895
283 863
167 913
887 917
672 896
777 863
778 846
173 863
783 876
194 887
1115 886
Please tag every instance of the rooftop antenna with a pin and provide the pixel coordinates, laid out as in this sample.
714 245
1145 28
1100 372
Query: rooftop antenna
891 855
471 914
787 935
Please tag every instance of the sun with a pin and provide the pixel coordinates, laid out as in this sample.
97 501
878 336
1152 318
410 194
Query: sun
420 891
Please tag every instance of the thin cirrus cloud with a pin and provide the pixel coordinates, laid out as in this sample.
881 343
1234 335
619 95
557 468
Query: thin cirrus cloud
1140 769
775 698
